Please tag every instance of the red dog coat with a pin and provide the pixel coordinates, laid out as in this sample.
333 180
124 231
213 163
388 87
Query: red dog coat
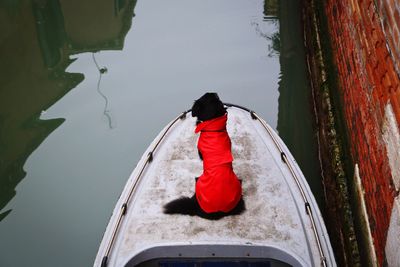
218 188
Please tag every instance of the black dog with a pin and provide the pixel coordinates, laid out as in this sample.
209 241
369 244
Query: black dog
218 191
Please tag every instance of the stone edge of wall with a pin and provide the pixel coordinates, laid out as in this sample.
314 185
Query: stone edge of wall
391 139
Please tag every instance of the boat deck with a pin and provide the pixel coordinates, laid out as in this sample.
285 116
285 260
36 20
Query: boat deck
275 216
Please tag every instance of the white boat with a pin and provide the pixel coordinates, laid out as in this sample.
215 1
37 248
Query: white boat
282 225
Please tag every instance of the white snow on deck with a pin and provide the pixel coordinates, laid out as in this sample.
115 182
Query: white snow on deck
275 214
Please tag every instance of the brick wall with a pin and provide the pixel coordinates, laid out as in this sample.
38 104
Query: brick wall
366 51
389 11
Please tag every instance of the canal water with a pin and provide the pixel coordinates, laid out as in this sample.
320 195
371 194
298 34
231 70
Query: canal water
85 86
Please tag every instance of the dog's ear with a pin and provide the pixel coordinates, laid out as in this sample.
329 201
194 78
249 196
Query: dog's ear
216 105
219 108
196 108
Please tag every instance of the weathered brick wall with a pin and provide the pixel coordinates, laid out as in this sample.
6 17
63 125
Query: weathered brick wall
389 11
365 43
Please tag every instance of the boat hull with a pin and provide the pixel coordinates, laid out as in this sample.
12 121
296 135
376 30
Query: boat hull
281 222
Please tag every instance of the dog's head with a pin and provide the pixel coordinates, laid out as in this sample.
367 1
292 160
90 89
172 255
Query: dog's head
208 107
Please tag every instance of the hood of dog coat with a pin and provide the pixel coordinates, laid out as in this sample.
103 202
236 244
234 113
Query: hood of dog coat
217 124
214 142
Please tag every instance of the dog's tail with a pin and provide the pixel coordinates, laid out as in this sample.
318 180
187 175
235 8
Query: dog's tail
183 205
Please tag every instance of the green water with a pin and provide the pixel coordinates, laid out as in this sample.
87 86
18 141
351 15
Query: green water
85 86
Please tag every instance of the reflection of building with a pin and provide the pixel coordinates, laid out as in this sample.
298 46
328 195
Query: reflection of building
271 16
36 39
96 25
294 114
271 9
72 26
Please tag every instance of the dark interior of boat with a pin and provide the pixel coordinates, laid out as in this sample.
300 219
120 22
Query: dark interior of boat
213 262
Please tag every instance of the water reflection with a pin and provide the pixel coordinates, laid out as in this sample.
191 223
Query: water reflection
175 51
102 71
271 16
271 10
270 20
36 40
295 112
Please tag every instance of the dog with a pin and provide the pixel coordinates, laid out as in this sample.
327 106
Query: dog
218 191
